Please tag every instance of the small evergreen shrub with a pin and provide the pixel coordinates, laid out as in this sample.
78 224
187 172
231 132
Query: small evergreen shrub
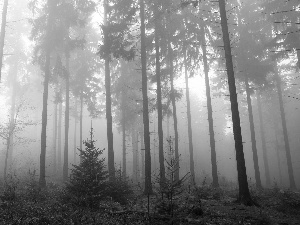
88 181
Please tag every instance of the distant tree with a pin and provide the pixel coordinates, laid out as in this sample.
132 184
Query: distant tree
87 184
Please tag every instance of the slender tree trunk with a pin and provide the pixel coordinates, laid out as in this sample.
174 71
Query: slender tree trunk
59 126
134 155
12 115
278 156
252 130
189 119
263 141
2 35
285 134
75 131
80 129
174 110
54 138
6 158
67 121
124 139
142 155
110 150
244 194
148 184
210 115
159 103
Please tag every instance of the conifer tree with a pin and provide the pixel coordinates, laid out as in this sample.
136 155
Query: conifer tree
88 179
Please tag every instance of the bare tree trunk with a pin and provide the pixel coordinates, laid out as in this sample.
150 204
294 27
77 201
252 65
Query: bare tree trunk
124 139
134 155
110 150
263 141
142 155
159 103
148 184
189 119
2 35
59 160
244 194
80 129
54 138
252 130
210 115
277 155
75 131
285 134
67 114
174 110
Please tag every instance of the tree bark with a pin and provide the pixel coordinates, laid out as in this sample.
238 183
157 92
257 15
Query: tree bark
189 118
110 150
285 133
244 194
67 121
252 131
263 141
148 184
134 155
124 138
2 35
158 102
209 114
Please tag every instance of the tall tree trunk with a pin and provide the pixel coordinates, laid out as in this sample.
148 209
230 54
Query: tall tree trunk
110 150
75 131
285 133
42 179
134 155
244 194
80 129
277 154
59 126
54 139
158 102
174 110
124 139
2 35
148 184
12 115
252 130
209 114
67 121
263 141
189 119
142 154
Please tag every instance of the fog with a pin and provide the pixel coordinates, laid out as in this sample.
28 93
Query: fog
65 47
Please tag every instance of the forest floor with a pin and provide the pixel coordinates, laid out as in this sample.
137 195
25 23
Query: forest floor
26 204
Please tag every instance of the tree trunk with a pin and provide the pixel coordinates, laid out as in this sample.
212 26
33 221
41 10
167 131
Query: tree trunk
2 35
158 102
67 114
148 184
285 134
189 119
142 154
54 138
75 131
252 130
42 179
263 141
277 155
209 114
244 194
59 160
134 155
124 139
174 110
110 150
80 129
